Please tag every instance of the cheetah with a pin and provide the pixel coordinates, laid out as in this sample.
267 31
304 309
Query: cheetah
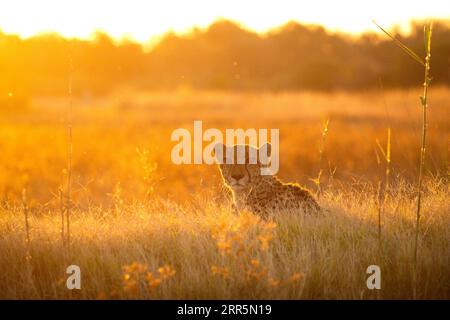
260 194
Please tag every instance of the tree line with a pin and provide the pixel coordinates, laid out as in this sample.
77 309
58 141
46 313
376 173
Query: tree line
224 56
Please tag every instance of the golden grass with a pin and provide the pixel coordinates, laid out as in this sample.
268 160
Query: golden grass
122 142
164 250
142 227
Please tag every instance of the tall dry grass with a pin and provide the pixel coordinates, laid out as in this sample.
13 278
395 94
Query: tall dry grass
426 63
142 227
167 250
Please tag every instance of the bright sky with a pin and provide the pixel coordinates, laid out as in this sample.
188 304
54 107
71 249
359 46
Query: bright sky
141 20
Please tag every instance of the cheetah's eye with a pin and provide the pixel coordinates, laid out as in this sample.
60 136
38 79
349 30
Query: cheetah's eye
224 168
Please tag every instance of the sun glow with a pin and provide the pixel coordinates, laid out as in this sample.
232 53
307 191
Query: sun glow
142 20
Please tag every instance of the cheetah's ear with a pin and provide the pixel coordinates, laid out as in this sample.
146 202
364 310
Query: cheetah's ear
264 153
219 152
266 148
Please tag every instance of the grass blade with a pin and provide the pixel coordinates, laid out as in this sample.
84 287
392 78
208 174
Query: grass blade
407 50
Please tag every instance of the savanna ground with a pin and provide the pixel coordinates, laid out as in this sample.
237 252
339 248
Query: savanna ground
142 227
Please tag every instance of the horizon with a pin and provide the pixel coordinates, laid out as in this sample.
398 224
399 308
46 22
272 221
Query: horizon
403 29
146 25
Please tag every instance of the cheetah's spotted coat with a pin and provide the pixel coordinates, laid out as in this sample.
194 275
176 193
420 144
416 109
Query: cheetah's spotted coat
262 194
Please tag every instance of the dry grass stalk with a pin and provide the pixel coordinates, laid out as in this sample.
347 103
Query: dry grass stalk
27 226
424 103
28 257
62 211
69 150
383 188
317 181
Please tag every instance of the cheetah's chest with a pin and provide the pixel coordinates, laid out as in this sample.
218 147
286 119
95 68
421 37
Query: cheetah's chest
267 199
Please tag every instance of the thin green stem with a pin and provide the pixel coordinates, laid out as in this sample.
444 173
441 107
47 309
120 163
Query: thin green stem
424 102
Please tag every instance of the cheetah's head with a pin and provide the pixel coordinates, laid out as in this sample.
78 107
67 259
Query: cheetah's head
240 165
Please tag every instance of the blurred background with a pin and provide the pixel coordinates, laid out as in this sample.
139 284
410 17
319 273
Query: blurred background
224 56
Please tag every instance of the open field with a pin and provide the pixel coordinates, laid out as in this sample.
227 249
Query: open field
125 138
133 205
